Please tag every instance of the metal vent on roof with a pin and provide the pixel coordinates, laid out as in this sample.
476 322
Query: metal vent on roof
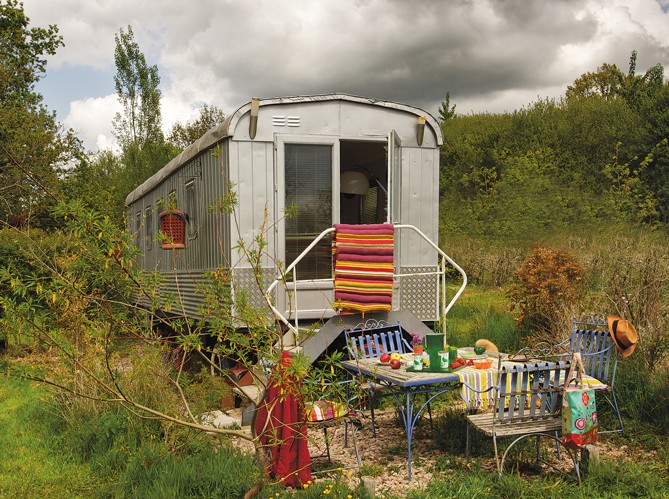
286 121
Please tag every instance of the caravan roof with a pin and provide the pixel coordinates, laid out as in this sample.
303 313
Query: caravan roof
227 128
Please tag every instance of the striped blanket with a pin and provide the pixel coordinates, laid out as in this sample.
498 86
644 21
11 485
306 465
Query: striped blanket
363 267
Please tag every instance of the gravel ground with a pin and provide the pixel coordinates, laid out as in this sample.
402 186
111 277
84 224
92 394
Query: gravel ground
385 456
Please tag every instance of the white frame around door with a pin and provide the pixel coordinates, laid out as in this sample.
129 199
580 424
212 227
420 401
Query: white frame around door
312 290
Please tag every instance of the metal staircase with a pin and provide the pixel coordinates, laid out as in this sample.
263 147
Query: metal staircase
313 343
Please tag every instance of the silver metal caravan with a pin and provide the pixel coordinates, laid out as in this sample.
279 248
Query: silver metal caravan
340 159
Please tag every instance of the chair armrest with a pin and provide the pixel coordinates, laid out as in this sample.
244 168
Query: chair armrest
463 383
598 352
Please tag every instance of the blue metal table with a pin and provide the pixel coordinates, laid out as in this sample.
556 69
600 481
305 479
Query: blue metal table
407 385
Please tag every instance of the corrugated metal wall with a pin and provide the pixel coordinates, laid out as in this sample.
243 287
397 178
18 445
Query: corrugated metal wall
207 175
208 231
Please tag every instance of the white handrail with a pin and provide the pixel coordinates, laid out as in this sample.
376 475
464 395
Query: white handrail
292 268
444 256
442 273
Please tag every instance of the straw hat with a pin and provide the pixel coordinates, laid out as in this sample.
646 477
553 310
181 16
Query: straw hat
623 333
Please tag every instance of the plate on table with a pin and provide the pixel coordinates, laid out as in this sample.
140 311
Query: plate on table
467 353
383 363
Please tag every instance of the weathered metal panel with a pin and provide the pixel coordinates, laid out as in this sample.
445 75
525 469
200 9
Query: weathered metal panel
419 293
206 247
419 204
340 115
244 278
252 175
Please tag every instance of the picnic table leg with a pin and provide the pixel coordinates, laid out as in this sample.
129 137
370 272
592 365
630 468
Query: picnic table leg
409 423
410 415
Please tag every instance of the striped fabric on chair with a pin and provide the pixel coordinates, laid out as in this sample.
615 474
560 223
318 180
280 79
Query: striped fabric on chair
363 267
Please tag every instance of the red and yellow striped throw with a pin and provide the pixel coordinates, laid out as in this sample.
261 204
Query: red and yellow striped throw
363 267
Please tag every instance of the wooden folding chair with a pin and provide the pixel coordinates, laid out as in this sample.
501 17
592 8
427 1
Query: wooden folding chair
527 404
592 339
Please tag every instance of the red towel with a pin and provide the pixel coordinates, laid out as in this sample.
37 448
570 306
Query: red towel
281 427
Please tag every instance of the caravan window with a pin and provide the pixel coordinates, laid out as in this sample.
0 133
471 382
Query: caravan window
308 186
191 210
138 227
148 223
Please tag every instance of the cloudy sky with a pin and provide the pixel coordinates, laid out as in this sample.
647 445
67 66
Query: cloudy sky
491 55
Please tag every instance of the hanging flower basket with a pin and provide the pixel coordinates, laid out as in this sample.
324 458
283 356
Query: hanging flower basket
173 227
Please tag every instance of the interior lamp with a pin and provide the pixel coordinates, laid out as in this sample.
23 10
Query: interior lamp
353 182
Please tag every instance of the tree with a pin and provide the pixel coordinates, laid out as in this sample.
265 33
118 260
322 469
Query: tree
96 181
138 129
181 136
637 89
446 111
606 82
32 145
138 92
79 301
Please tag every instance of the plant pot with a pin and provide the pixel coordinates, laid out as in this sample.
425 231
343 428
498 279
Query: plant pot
173 227
418 350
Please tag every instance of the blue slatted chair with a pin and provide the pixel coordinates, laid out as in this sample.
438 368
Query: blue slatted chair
364 343
592 339
372 340
527 405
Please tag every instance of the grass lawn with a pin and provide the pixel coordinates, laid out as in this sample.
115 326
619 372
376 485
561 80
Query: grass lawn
30 466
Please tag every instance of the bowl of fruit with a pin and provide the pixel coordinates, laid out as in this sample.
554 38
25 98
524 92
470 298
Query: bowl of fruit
482 363
393 360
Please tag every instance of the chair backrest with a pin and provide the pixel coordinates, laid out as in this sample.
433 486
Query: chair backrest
373 342
593 341
529 392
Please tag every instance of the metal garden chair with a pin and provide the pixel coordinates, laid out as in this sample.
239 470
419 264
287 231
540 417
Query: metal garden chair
334 411
371 340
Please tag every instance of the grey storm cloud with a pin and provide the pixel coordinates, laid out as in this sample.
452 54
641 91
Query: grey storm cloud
397 50
491 55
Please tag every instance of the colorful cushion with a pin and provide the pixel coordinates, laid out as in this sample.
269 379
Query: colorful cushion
324 410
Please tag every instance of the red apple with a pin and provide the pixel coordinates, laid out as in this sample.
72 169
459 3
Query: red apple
395 364
385 358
